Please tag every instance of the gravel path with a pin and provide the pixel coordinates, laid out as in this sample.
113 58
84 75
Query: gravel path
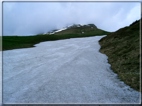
64 71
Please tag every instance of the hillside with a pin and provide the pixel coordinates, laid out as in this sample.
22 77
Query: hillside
74 31
89 29
123 50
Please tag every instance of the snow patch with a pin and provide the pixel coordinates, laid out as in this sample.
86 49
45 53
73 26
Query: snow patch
58 31
0 77
64 71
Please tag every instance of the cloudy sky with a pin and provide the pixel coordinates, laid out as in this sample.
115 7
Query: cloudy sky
29 18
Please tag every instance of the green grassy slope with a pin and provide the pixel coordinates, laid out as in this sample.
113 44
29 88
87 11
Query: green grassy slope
0 43
123 50
15 42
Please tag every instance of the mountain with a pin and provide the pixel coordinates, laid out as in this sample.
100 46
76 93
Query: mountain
123 50
78 29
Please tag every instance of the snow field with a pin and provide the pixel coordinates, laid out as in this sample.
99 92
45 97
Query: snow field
63 71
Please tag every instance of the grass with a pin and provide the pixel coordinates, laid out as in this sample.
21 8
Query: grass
15 42
123 50
0 43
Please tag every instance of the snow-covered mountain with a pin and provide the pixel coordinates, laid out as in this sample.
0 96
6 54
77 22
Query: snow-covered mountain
56 30
73 26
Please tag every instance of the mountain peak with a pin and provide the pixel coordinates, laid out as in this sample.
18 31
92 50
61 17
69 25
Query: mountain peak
75 28
78 25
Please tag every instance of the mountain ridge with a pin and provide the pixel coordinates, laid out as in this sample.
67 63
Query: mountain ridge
80 29
71 27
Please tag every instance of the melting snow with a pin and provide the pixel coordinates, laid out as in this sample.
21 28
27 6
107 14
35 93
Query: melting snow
58 31
64 71
0 77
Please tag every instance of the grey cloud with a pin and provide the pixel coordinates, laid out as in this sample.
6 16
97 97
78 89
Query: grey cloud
29 18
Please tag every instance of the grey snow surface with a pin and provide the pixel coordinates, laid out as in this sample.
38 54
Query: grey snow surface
63 71
0 78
